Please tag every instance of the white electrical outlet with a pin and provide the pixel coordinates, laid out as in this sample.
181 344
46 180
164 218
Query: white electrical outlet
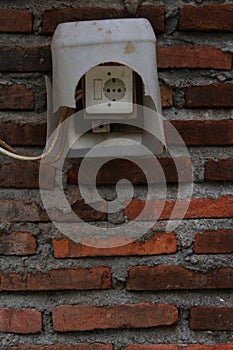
109 90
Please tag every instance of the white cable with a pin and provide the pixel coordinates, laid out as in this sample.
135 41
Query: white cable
30 158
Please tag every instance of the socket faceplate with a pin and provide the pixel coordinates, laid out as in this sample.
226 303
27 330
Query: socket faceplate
109 90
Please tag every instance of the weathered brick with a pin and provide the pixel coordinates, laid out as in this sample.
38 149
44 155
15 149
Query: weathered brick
80 346
52 18
165 277
80 278
159 243
166 96
87 213
214 242
59 279
17 243
151 347
219 170
15 21
155 14
191 132
17 175
23 134
206 347
178 347
212 96
114 170
21 59
199 57
206 18
19 210
16 96
201 132
214 318
221 207
12 282
20 321
38 59
81 318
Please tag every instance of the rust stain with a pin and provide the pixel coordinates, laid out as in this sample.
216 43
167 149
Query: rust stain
123 74
129 48
100 29
108 32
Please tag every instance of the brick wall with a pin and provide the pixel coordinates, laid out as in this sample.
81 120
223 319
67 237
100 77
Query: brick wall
169 291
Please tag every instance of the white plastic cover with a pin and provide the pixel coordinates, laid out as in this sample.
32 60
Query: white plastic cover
79 46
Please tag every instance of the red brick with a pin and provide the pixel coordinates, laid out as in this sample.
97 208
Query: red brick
20 321
12 282
87 213
151 347
114 170
159 243
81 318
155 14
21 59
26 175
219 170
80 278
19 210
193 132
178 347
17 243
16 96
52 18
165 277
206 18
201 132
221 207
199 57
23 134
166 96
60 279
212 96
80 346
214 242
15 21
206 347
214 318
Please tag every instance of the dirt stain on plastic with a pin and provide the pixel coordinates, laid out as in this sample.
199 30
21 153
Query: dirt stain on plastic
129 48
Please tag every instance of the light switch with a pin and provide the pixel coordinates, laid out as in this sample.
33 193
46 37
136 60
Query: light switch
98 89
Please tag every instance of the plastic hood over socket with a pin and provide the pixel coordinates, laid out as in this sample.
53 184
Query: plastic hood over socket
79 46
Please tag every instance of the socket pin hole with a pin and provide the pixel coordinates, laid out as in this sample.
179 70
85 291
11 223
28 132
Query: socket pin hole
114 89
109 73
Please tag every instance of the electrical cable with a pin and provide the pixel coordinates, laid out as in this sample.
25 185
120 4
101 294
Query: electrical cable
12 153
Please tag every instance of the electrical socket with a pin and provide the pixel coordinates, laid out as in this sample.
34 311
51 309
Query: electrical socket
109 90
